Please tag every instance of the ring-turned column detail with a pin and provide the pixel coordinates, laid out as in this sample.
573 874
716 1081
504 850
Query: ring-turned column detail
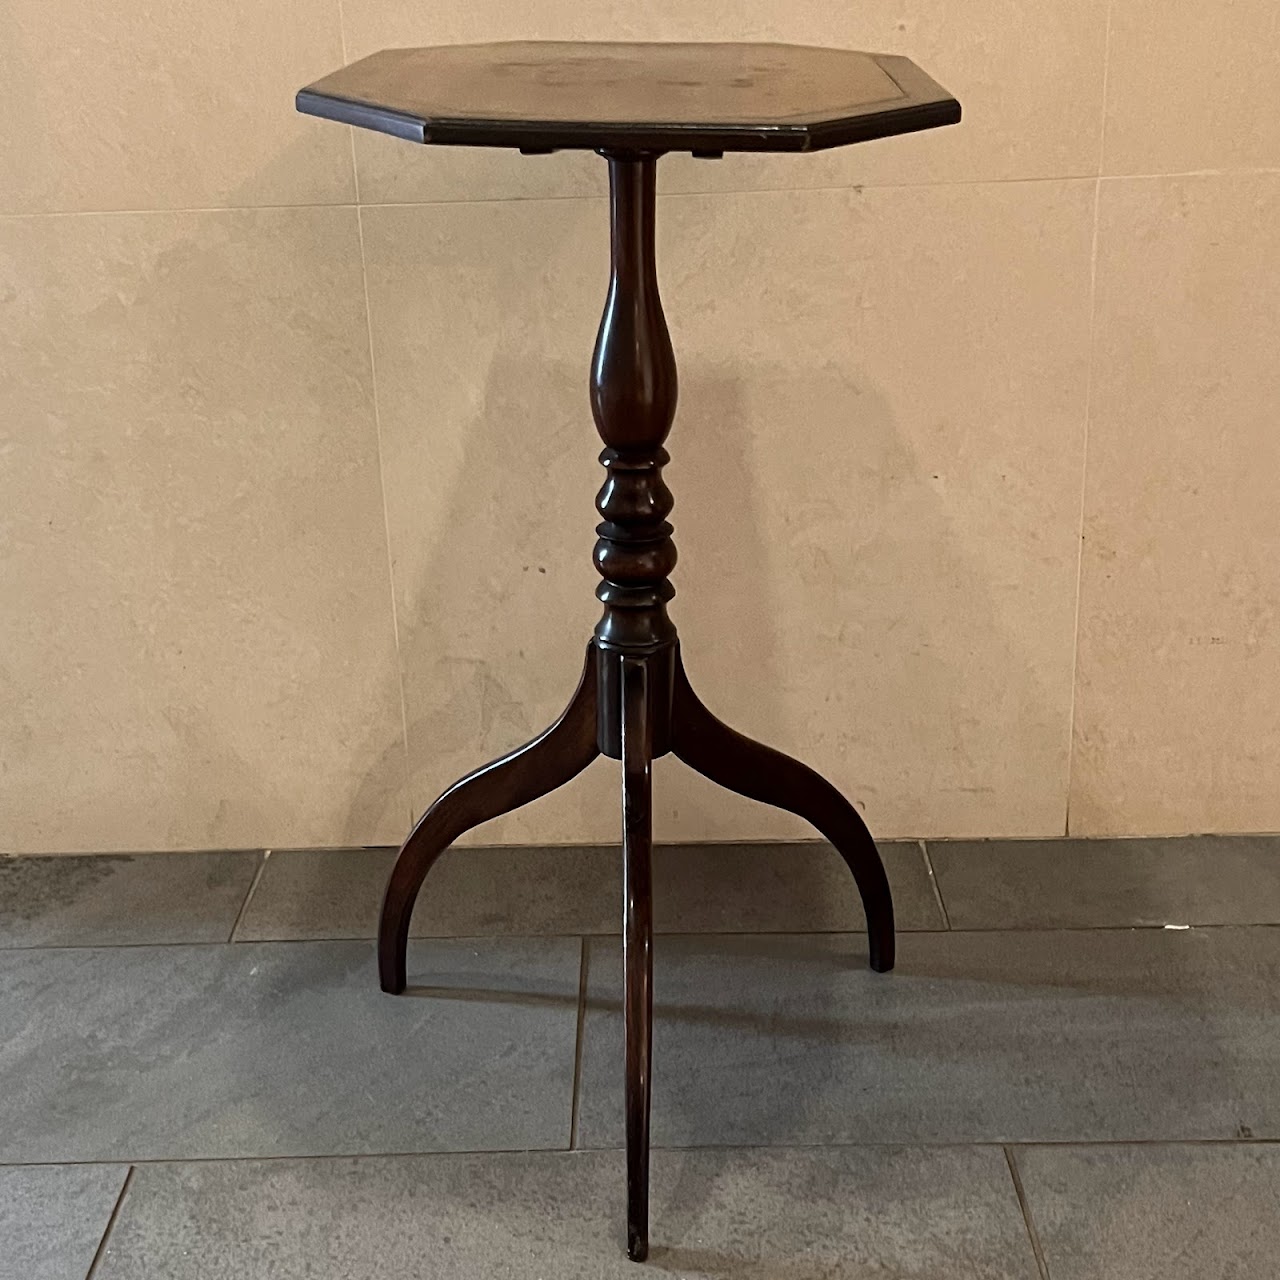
633 401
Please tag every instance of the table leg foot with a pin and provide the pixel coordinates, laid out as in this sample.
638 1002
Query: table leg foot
637 939
761 773
544 764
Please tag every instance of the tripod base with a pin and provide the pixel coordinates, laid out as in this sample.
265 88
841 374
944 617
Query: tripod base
634 707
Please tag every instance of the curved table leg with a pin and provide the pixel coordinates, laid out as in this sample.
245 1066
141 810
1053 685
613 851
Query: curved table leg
761 773
549 761
637 941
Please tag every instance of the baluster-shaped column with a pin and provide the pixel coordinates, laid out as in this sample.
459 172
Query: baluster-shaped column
633 400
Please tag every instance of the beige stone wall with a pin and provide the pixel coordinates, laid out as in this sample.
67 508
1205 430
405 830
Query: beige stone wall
276 402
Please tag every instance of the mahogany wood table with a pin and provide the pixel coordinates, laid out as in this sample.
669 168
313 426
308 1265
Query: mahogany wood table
631 103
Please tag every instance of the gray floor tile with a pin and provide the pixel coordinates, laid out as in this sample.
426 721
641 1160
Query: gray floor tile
1156 1212
1067 1036
708 888
470 892
52 1219
107 899
749 1215
780 888
1032 884
284 1049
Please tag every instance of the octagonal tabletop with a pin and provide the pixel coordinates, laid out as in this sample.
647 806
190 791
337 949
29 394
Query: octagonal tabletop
705 98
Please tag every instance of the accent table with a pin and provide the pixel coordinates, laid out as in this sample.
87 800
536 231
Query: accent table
632 103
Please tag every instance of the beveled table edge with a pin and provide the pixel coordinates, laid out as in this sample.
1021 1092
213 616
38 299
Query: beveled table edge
925 105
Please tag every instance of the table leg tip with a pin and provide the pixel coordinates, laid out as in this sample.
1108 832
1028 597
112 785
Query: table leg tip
393 983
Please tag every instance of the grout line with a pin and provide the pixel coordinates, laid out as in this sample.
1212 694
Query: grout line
1027 1219
1106 86
855 187
1112 837
890 1144
378 437
342 33
248 897
1245 171
18 854
111 1222
386 515
355 174
13 215
933 880
351 133
577 1045
377 430
1080 517
855 934
1088 411
893 1144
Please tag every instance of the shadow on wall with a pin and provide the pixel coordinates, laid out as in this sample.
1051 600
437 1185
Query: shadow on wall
826 601
831 609
506 601
824 604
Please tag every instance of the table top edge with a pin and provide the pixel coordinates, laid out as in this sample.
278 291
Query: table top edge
924 104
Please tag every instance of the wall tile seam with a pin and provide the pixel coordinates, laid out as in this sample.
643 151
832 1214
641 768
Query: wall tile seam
405 797
1243 171
1088 409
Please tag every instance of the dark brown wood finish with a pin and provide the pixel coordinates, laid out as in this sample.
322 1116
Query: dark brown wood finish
633 401
637 939
758 772
553 758
543 96
634 702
